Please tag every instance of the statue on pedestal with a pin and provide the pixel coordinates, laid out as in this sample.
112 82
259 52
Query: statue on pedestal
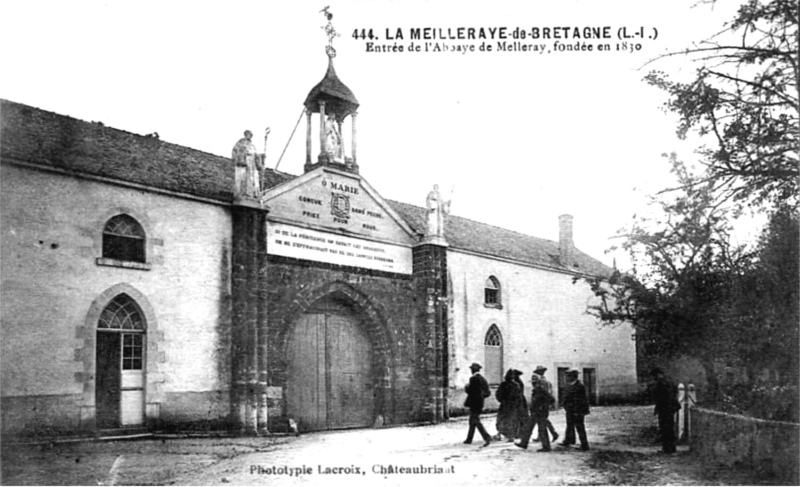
437 209
247 168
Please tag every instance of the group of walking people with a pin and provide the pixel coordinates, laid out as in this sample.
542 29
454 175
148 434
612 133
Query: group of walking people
516 418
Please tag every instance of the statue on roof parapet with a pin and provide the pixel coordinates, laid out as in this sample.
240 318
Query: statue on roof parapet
248 165
437 209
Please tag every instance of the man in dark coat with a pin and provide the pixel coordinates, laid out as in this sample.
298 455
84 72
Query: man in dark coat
666 397
477 390
541 400
540 370
576 406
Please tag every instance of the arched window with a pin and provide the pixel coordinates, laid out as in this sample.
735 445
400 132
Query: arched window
491 295
122 313
493 355
124 239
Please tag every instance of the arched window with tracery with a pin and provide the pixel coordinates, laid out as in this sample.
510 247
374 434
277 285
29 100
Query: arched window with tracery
123 315
491 295
493 355
124 239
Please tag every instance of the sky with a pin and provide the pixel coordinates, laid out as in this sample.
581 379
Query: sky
516 138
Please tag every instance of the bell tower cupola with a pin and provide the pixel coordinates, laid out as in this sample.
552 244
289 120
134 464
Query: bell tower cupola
334 102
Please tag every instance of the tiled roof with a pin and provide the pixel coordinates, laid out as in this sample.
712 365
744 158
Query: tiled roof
465 234
272 178
35 136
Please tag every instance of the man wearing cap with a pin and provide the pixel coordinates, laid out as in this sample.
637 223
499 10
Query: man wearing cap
576 406
543 382
477 390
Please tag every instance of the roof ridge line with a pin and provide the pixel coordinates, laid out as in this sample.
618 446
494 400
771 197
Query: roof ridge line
483 223
103 125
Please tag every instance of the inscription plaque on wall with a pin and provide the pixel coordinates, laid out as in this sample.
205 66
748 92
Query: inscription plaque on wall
303 243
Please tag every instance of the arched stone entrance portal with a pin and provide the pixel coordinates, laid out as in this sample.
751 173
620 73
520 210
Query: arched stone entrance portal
331 381
337 359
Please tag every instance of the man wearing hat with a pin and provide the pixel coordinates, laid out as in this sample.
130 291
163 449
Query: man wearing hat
544 383
477 390
576 406
666 398
541 400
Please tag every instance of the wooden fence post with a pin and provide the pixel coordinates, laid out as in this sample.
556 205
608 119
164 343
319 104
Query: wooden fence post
681 413
691 402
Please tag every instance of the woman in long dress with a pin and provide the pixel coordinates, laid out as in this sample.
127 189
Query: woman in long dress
522 410
509 395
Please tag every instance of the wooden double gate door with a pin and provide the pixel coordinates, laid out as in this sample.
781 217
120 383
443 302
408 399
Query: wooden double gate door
330 382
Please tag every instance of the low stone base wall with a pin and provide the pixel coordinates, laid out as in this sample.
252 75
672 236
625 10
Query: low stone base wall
202 411
65 415
771 448
41 415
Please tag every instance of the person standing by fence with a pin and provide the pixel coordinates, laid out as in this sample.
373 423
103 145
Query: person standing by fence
666 398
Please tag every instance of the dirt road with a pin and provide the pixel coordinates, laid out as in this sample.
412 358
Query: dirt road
622 452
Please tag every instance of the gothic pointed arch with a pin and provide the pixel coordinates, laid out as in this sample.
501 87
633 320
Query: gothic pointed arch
493 354
125 306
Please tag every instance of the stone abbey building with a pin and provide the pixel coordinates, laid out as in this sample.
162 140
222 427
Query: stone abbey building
149 285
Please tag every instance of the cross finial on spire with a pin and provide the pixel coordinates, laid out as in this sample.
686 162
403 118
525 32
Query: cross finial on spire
330 32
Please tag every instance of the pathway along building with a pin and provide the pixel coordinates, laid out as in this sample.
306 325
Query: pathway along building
148 285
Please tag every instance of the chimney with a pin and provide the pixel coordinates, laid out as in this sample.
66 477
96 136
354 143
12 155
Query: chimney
565 246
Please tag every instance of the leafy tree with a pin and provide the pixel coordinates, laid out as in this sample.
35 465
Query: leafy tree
762 312
691 291
767 301
683 262
745 97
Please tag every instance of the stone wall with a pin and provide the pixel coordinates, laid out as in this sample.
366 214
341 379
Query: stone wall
385 302
53 290
769 447
430 279
543 321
